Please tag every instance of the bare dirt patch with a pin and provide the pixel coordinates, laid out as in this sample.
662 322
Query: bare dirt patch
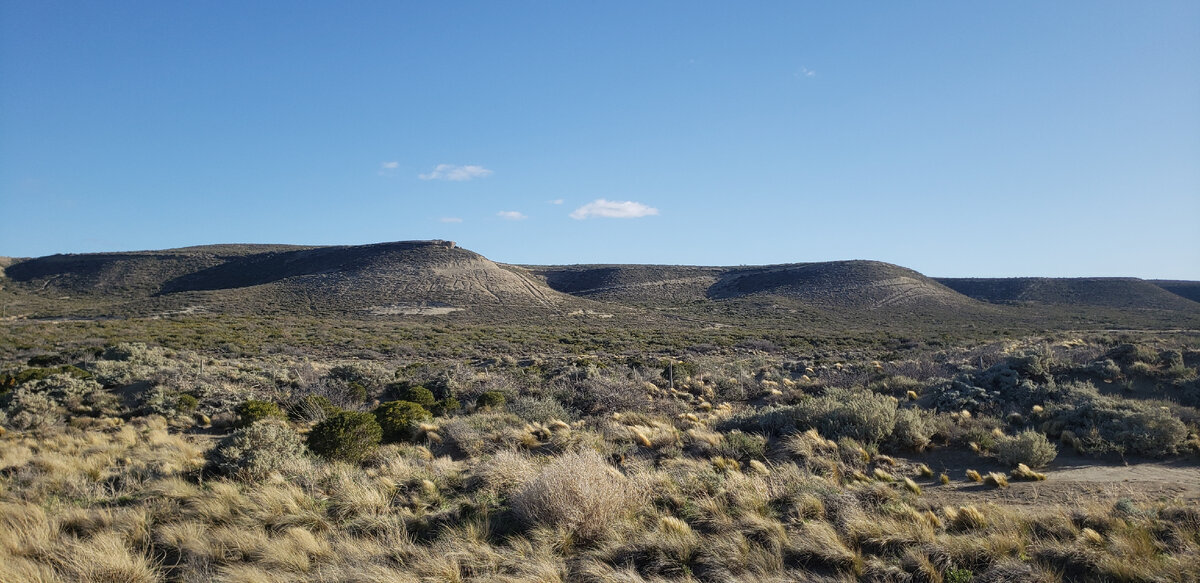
413 310
1070 480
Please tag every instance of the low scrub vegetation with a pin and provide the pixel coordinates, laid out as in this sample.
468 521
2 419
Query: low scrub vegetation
149 463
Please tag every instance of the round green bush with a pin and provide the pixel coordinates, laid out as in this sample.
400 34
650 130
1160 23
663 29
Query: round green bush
419 395
1029 447
254 410
445 406
252 453
186 404
399 419
490 399
346 435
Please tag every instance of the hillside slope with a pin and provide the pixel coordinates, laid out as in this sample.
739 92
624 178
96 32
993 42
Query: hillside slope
423 278
633 284
385 278
1185 289
132 273
856 284
835 284
1106 292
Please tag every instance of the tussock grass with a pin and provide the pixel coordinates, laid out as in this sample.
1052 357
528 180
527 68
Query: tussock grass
579 492
1022 472
996 479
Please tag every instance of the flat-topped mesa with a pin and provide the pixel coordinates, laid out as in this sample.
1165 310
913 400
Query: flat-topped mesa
1107 292
415 244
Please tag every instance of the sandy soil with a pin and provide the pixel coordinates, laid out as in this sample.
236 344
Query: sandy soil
1069 480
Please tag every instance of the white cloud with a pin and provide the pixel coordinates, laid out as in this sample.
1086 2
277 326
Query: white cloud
389 165
613 209
806 72
455 173
511 215
450 220
555 201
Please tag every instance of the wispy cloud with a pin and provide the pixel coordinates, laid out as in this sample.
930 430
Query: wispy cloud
511 215
613 209
450 220
455 173
806 72
555 201
386 168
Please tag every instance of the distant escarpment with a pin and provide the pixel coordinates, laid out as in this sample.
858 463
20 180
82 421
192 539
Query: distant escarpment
438 278
385 277
1105 292
1184 289
840 284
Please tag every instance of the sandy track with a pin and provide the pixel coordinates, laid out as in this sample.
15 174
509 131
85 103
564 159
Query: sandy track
1070 480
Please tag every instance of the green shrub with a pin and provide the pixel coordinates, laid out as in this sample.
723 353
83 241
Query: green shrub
861 415
26 408
743 446
1112 424
864 416
346 435
254 410
186 404
399 419
1128 354
958 575
1105 369
445 407
1171 358
680 370
353 383
540 409
253 452
897 386
490 399
45 401
36 374
419 395
45 360
1030 447
913 430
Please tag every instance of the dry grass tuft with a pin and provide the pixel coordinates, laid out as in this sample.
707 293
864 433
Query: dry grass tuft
104 558
974 476
579 492
996 479
964 518
1024 473
912 486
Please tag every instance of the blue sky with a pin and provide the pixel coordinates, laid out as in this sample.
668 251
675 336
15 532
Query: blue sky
959 139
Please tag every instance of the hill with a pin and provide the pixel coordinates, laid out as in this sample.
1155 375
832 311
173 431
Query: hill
132 273
399 277
424 278
1103 292
634 284
846 284
1186 289
835 284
